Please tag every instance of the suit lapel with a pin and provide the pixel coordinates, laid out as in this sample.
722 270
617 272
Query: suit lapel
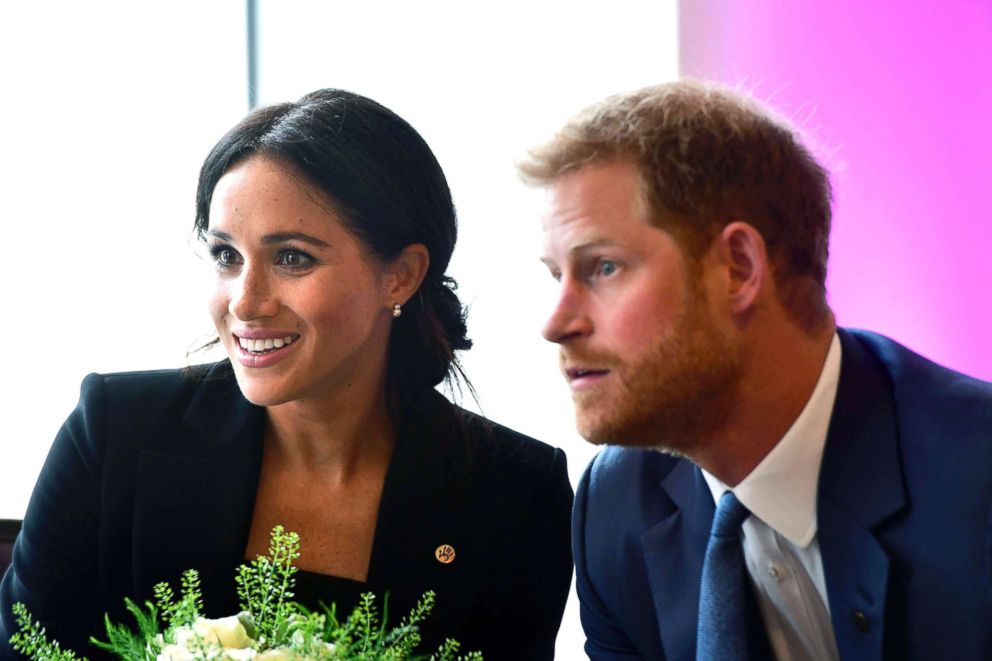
673 554
194 502
861 485
674 550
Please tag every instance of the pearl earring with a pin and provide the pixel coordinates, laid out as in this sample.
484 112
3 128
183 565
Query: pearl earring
397 310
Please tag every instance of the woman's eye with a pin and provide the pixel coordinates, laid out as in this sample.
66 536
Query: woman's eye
225 256
294 259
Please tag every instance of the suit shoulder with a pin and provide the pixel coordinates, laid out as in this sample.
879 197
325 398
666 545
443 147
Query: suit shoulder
513 476
148 391
143 383
499 447
920 384
142 406
616 469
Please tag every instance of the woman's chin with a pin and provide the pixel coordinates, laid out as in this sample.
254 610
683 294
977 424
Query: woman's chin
262 394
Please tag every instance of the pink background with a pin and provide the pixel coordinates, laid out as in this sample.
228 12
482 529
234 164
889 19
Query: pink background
896 99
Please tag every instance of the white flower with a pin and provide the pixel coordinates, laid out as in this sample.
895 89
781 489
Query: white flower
174 653
183 636
225 631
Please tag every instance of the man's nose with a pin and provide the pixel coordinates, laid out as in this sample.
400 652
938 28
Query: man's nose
569 319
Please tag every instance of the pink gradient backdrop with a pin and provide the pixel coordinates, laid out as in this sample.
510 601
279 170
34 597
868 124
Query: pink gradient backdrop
897 100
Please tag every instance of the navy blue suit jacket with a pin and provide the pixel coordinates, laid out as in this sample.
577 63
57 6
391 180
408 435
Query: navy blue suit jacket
155 473
904 522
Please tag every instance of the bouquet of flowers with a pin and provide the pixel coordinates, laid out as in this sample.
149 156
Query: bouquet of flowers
270 627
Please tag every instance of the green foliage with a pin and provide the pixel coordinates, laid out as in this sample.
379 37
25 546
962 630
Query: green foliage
448 651
364 636
124 643
165 598
191 603
183 612
265 586
271 619
31 640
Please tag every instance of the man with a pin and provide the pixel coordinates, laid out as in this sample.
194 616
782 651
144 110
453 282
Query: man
688 230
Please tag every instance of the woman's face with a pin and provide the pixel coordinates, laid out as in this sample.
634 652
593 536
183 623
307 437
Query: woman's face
301 309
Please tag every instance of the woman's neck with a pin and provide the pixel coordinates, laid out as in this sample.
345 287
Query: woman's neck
341 439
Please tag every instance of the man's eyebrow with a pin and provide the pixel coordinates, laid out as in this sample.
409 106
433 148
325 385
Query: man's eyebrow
592 244
585 246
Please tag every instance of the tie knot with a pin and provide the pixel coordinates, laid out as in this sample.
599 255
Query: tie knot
730 514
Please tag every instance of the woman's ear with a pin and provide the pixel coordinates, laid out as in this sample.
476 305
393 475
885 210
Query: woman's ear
404 274
742 251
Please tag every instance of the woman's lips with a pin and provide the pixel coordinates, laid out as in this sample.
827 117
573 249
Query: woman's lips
260 348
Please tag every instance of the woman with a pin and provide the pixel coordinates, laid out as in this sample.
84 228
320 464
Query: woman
330 225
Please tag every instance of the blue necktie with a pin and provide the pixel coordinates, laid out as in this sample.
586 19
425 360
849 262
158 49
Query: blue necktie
721 630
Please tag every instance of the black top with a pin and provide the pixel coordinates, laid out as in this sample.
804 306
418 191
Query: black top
156 472
316 590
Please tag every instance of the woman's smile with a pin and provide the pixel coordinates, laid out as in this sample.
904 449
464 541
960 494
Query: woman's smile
263 348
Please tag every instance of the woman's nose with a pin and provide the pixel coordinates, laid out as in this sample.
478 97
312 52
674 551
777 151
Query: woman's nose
252 296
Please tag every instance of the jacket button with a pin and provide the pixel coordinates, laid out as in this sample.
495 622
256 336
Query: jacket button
860 621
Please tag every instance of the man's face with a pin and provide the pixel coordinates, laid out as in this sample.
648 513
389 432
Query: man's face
647 361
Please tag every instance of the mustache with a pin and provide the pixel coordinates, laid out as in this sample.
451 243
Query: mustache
585 358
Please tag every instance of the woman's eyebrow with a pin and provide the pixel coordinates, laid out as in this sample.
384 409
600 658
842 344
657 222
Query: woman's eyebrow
281 237
278 237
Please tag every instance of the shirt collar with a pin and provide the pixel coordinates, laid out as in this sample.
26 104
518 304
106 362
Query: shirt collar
781 490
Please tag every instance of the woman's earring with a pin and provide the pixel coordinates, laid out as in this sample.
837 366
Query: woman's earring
397 310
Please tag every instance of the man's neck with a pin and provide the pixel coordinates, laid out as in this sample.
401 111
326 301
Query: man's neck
780 371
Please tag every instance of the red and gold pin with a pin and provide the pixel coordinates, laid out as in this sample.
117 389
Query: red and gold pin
445 554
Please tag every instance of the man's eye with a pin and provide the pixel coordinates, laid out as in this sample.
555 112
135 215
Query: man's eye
607 267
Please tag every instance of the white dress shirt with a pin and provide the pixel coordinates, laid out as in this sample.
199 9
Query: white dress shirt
780 542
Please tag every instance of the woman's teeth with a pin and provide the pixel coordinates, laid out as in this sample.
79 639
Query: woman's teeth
260 346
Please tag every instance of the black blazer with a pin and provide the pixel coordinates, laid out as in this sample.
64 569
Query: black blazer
156 472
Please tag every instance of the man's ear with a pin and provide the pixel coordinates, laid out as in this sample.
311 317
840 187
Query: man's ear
404 274
742 250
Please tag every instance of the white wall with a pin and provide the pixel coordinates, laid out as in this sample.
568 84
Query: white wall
109 108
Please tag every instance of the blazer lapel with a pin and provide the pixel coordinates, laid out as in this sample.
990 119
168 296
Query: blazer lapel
861 485
194 503
673 554
419 489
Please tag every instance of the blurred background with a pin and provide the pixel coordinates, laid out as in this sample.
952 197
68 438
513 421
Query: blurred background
109 108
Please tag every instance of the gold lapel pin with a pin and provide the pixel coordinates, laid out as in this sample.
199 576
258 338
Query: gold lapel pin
445 554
